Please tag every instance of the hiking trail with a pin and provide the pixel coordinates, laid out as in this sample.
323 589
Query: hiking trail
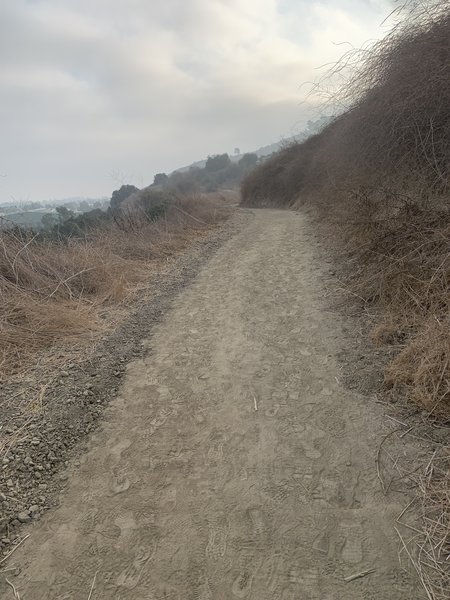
233 464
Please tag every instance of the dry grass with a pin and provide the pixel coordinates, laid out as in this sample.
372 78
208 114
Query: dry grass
423 367
425 539
52 291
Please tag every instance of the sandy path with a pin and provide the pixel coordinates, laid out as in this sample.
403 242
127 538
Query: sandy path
233 464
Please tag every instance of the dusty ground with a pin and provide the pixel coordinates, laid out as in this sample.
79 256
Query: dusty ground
48 409
233 463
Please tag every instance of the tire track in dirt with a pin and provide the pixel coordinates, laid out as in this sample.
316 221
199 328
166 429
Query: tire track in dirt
233 464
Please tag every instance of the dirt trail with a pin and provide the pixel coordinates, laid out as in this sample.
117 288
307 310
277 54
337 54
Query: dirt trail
233 464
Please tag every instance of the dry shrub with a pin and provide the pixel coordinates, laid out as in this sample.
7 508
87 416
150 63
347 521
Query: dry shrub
51 290
435 516
423 366
391 146
426 539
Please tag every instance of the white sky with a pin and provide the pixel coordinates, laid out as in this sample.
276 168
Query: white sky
96 93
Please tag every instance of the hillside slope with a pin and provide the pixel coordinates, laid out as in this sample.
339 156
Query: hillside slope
378 180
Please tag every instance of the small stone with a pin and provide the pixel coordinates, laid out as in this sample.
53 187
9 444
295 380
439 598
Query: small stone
6 541
37 475
35 442
64 374
23 517
10 483
33 510
43 486
348 463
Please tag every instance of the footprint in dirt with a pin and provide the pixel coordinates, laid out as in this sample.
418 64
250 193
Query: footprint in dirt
242 584
131 574
217 545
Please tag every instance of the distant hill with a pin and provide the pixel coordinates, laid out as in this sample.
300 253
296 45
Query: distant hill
312 128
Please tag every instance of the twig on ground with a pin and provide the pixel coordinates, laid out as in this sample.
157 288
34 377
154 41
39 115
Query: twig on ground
14 589
14 549
414 564
359 575
93 585
378 460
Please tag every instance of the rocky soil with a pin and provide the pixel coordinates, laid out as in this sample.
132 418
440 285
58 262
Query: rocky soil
47 413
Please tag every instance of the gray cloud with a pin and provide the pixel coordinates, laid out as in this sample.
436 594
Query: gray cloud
95 87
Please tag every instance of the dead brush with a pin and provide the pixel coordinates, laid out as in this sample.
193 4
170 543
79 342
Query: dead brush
404 268
51 291
423 367
428 544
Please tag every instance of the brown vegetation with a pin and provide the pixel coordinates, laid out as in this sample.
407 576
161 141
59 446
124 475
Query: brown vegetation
52 290
379 174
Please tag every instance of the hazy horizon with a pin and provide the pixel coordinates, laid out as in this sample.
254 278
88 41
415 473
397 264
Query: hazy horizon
98 93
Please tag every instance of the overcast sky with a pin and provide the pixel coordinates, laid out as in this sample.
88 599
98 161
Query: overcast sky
95 93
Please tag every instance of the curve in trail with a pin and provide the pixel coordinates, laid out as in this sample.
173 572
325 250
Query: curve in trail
233 464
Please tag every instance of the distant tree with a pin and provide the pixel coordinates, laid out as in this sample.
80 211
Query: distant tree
91 219
84 206
48 220
120 195
160 179
237 151
155 203
248 161
31 205
185 183
217 162
64 213
69 228
71 204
